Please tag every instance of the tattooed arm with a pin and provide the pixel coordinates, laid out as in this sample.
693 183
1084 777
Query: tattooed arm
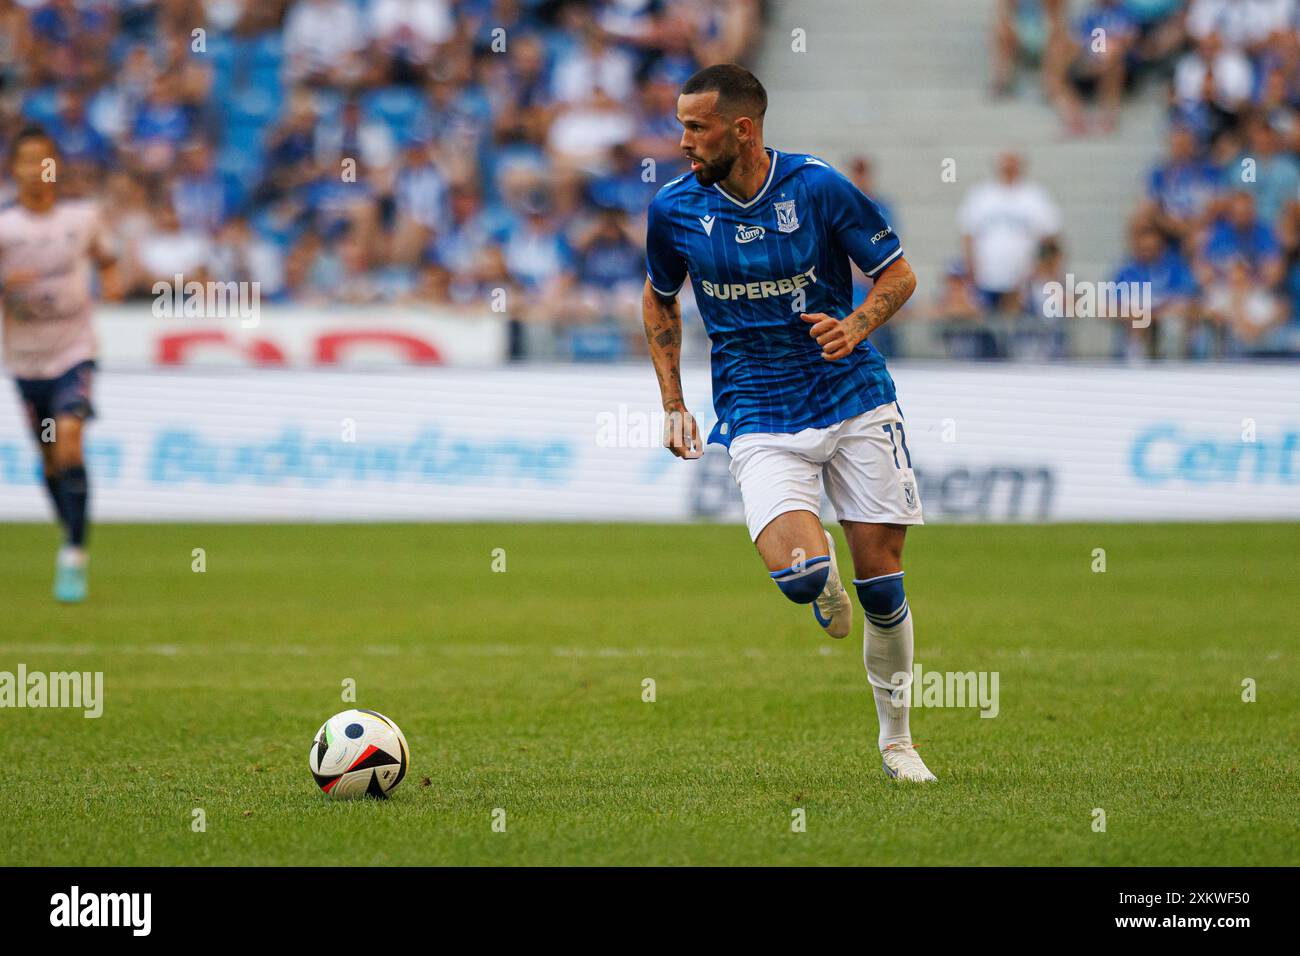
663 332
838 337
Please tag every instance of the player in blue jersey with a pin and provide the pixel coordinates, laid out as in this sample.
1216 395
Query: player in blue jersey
801 395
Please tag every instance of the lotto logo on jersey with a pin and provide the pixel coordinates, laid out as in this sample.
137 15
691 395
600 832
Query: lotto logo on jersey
758 290
749 233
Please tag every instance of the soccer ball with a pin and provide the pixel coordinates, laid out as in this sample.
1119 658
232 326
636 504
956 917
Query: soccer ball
358 753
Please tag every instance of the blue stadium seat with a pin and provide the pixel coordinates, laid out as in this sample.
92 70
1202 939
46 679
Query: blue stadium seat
245 137
221 55
220 49
398 106
42 106
253 107
241 164
266 51
247 68
266 82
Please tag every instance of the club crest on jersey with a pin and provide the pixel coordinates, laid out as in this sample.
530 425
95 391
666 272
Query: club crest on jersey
787 220
746 233
909 495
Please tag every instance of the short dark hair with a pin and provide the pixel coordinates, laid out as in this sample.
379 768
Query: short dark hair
30 131
739 92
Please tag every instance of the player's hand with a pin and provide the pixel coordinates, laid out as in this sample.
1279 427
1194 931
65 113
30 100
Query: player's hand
681 434
833 335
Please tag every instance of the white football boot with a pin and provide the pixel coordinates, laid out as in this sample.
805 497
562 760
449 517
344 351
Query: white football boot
833 609
902 762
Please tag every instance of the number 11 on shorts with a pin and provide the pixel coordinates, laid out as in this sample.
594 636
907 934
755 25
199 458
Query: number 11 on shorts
902 439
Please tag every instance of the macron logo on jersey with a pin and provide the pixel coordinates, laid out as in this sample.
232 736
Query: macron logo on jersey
707 223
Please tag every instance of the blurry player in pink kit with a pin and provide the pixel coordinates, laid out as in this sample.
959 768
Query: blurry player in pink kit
47 247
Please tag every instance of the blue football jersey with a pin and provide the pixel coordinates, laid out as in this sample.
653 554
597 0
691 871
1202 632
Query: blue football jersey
754 267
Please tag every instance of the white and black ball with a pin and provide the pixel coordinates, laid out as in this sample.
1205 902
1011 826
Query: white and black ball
358 753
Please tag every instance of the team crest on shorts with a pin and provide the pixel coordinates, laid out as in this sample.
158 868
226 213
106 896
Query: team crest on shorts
787 220
909 495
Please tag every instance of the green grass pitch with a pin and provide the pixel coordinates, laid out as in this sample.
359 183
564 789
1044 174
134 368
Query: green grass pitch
522 690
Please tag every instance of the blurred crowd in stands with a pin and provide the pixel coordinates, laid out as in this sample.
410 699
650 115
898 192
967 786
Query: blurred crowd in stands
501 153
376 151
1217 235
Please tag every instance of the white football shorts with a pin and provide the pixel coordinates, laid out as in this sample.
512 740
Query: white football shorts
865 462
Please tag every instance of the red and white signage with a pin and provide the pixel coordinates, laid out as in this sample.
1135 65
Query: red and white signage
297 337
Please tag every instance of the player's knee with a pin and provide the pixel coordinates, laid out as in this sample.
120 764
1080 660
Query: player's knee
65 452
883 600
802 582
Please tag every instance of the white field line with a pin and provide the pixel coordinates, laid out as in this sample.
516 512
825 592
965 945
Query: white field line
373 650
931 652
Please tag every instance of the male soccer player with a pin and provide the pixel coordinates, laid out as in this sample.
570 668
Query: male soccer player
47 245
800 394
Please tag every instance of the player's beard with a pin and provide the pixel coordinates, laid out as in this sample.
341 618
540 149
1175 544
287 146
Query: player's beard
717 170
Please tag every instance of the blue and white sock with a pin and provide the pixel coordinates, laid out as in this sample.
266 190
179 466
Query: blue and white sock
802 582
887 652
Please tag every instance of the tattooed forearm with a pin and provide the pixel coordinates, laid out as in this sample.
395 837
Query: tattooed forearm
663 332
893 288
668 338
